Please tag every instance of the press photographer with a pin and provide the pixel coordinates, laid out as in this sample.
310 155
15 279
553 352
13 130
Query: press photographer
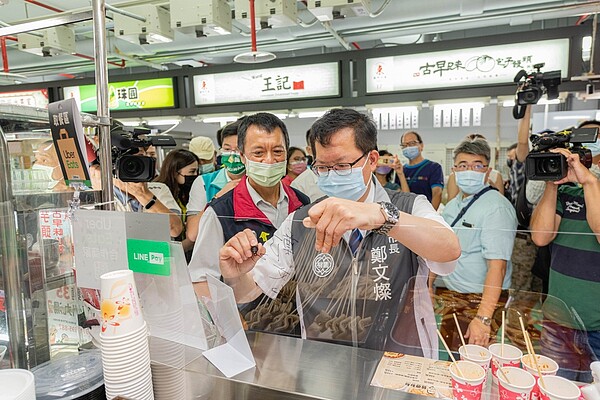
133 170
532 86
543 164
568 216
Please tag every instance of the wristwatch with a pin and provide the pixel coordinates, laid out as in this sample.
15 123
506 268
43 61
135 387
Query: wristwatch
487 321
392 216
150 203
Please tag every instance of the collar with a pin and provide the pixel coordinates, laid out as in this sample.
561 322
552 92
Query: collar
257 199
377 192
124 199
417 165
245 206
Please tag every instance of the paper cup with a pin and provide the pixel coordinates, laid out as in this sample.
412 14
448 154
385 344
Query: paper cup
470 385
559 388
520 386
548 366
477 354
510 357
120 305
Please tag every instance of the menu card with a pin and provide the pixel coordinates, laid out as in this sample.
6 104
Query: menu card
413 374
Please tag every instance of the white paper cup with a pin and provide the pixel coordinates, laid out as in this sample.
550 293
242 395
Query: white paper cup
469 384
509 357
559 388
519 385
477 354
120 305
548 366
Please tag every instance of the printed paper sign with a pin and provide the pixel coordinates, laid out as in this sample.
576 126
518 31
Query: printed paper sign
416 375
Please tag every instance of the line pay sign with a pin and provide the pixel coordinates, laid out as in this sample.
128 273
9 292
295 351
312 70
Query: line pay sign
149 257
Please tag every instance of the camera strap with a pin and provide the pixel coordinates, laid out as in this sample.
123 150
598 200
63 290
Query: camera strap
465 208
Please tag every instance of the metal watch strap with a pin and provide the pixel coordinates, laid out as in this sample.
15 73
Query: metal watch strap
391 218
487 321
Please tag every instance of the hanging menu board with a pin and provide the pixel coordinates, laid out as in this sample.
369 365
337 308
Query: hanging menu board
283 83
128 95
465 67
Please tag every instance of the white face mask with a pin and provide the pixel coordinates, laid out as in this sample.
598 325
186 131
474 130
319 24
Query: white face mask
48 171
264 174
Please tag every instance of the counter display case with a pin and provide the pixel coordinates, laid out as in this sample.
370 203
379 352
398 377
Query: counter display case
36 268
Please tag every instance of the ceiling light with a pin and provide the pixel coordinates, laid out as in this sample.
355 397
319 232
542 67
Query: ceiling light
155 37
223 119
567 117
254 56
156 29
271 13
53 42
311 114
155 122
201 18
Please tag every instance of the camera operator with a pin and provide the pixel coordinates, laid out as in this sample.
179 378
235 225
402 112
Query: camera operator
568 217
152 197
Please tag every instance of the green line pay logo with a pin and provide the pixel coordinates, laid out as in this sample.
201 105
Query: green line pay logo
151 258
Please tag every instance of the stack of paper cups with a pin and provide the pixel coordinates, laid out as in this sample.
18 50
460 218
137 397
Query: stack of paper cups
124 339
17 384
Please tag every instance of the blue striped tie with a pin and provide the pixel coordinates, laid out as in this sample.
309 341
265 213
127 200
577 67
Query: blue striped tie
355 239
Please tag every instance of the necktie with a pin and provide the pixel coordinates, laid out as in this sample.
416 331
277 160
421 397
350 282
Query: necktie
354 241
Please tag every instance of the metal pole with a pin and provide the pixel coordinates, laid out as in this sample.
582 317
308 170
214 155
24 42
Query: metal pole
9 258
99 19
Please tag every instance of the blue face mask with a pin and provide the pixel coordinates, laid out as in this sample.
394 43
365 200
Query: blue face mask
593 147
411 152
207 168
470 182
349 187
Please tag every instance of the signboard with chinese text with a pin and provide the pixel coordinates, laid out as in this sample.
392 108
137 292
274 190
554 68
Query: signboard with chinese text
293 82
67 134
129 95
100 240
465 67
28 98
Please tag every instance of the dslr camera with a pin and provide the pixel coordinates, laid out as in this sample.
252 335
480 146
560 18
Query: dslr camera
126 143
543 165
532 86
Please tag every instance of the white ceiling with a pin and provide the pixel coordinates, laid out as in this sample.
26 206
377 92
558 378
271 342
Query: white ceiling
400 22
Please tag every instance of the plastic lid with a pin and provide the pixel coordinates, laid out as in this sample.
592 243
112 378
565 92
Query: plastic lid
69 377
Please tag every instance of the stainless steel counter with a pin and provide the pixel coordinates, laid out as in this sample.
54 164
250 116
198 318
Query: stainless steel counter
290 368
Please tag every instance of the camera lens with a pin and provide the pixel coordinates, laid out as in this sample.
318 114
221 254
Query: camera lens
550 165
530 97
133 166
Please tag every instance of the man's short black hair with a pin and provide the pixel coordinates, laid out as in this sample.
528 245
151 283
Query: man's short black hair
230 129
512 146
266 121
589 122
334 120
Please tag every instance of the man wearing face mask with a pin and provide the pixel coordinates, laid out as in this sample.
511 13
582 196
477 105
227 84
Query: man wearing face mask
46 160
260 202
217 183
362 238
423 176
485 223
567 218
204 148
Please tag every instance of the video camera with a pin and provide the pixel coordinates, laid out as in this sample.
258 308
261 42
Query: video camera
533 86
543 165
125 144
